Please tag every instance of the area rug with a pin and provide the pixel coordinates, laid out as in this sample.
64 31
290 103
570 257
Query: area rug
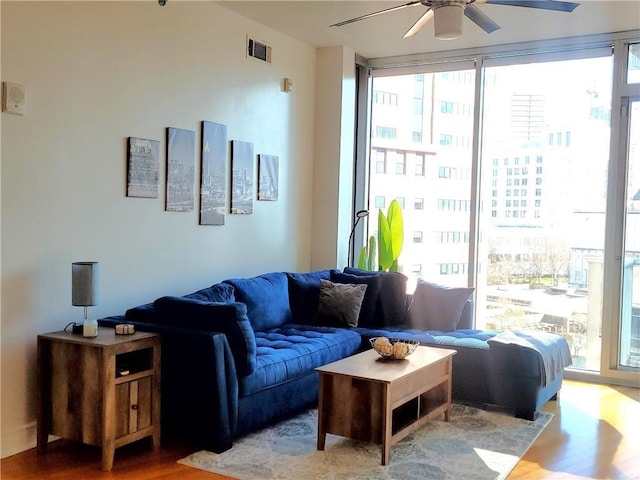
475 444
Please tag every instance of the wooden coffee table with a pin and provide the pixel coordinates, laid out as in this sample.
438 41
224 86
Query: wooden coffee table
368 398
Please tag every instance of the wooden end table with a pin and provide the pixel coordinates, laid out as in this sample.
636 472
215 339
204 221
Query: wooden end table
102 391
368 398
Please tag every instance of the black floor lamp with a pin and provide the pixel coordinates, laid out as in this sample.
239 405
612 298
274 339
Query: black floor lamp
359 214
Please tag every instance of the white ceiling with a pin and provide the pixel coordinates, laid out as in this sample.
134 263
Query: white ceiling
381 36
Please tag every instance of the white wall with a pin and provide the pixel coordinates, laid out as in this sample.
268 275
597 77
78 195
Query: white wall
96 73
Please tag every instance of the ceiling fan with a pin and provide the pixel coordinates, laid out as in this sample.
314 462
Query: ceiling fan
448 14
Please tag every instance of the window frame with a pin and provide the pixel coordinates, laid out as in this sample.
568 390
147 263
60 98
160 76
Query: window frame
524 52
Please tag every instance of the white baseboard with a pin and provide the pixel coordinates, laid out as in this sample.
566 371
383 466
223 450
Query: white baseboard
18 440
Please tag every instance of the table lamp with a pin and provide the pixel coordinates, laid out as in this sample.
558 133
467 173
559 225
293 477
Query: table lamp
84 292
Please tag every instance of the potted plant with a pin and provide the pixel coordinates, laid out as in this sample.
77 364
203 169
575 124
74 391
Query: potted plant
389 242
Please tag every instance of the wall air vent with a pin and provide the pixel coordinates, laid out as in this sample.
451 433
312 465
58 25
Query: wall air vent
258 50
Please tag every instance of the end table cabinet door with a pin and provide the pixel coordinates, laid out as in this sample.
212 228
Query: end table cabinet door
133 404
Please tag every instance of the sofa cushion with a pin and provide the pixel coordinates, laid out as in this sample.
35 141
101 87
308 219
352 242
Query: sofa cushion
339 304
220 292
367 317
468 338
436 307
228 318
266 297
391 307
292 351
304 293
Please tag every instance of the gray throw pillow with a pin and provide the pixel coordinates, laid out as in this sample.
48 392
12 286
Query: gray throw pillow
339 304
436 307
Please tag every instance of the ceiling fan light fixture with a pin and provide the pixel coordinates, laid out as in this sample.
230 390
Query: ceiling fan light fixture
448 20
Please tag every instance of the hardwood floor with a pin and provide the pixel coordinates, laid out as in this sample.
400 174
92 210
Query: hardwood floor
595 434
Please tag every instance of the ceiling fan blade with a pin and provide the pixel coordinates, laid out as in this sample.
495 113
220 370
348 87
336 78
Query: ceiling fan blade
543 4
369 15
474 14
421 22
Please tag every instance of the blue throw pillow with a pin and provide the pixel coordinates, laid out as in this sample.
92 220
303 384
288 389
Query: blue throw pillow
228 318
266 298
216 293
436 307
220 292
304 294
392 301
369 316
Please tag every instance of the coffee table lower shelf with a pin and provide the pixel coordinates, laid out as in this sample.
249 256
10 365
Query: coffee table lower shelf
372 400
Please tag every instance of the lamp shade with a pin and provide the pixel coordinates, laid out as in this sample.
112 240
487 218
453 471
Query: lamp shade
84 284
448 20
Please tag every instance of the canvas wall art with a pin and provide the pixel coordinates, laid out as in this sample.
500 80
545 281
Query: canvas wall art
213 174
241 177
267 177
143 167
180 169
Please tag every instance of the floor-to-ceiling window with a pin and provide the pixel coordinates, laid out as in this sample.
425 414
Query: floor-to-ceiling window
502 170
628 351
545 152
421 131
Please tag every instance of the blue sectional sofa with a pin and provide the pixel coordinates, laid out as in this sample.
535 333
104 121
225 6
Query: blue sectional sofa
241 354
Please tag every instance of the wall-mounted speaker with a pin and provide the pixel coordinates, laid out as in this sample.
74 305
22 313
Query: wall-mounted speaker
13 98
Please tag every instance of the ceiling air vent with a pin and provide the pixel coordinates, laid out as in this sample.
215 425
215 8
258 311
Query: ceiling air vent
258 50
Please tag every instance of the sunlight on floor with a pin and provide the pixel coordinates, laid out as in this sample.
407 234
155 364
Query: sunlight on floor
491 458
588 432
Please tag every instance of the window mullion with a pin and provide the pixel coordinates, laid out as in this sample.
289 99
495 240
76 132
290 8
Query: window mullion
476 149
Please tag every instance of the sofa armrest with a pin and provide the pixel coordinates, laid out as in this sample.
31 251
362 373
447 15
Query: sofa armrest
199 385
199 388
228 318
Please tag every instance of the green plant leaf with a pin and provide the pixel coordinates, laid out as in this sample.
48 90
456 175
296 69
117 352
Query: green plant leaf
396 229
371 263
394 266
363 259
385 254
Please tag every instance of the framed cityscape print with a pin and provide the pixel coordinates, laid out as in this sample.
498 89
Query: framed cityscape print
267 177
213 174
241 177
180 169
143 167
